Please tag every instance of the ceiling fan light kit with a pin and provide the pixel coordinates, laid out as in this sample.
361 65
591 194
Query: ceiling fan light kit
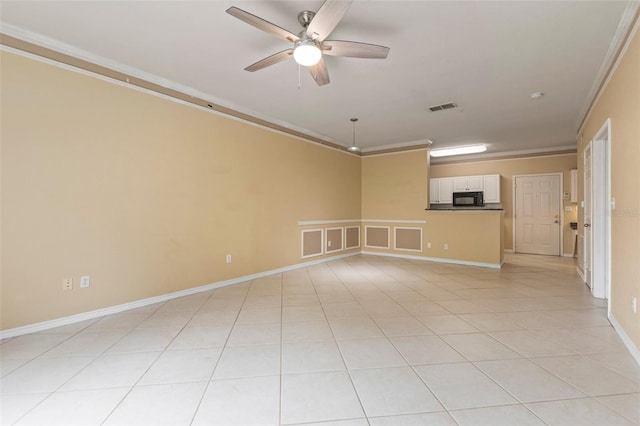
310 45
307 53
470 149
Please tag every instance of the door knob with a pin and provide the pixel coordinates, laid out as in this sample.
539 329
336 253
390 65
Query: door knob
556 221
587 225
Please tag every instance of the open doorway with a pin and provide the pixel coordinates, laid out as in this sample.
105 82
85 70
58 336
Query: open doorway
597 217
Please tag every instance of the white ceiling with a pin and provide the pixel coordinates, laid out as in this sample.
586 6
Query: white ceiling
488 57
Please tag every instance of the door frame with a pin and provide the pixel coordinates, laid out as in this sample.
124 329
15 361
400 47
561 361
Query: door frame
560 207
601 205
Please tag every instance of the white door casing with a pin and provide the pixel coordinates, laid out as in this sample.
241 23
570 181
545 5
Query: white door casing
537 220
586 261
598 234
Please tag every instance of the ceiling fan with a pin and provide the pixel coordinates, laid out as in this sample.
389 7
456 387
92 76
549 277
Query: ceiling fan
310 44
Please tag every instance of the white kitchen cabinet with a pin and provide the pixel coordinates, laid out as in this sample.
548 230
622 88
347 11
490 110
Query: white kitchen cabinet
491 188
446 191
434 191
467 183
574 186
441 190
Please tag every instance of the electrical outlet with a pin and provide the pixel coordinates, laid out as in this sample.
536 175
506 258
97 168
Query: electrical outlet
634 305
329 243
67 284
228 258
84 281
446 246
429 245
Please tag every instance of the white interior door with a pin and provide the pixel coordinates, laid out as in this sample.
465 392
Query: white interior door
588 212
537 214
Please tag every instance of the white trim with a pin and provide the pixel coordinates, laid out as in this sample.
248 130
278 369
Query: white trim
419 144
580 272
599 86
568 255
326 222
395 238
372 152
391 221
388 237
560 209
601 218
635 353
46 325
173 86
82 54
326 239
500 156
438 259
302 256
345 237
72 319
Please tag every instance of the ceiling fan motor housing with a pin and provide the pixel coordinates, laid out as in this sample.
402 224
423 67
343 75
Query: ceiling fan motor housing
305 17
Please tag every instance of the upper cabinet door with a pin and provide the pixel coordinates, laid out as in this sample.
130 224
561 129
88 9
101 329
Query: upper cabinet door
467 183
491 185
474 183
446 191
459 184
434 191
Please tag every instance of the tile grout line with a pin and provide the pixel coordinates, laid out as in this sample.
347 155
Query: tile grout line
195 413
335 341
78 372
155 360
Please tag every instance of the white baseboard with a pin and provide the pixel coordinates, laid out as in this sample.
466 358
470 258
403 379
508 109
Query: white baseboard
635 353
581 273
509 251
72 319
568 255
437 259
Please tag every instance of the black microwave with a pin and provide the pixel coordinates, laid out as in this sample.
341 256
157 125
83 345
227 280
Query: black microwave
468 199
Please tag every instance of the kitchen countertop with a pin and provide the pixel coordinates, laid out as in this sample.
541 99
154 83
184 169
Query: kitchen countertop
465 209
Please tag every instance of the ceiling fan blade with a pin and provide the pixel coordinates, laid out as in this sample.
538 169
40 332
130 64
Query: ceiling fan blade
270 60
327 17
263 25
320 73
353 49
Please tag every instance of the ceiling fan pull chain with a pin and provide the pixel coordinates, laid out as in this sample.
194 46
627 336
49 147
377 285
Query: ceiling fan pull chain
299 76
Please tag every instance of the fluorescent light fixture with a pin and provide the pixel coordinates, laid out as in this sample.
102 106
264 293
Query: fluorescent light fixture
471 149
307 53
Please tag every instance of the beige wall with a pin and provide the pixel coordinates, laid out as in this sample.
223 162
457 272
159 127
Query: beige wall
395 189
394 186
144 195
507 168
620 101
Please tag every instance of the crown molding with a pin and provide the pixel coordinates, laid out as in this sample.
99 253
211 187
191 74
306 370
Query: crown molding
617 48
505 155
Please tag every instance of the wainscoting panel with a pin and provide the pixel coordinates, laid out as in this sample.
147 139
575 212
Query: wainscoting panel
312 242
409 239
334 240
376 236
352 237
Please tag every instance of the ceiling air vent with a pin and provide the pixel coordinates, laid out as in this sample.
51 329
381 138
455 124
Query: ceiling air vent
442 107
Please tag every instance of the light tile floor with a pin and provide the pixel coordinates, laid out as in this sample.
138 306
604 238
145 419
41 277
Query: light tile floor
360 341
